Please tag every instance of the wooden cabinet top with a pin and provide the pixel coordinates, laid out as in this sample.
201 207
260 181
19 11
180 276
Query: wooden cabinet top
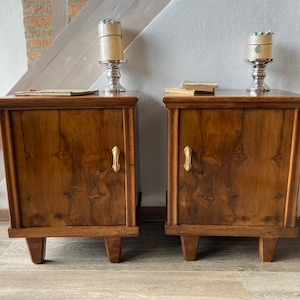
234 99
114 100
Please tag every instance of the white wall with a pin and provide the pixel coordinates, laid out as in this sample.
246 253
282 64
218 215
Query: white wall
13 46
202 40
197 40
13 62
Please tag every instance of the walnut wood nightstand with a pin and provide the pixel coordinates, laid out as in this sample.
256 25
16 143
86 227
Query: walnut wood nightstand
233 167
70 168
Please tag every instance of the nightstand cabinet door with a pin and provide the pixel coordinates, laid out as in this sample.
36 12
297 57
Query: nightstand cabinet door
239 166
64 161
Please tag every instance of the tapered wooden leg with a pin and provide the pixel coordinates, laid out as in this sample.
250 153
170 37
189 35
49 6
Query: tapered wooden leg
189 244
113 246
267 248
37 249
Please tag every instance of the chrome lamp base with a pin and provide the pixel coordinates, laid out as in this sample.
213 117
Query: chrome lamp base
259 74
113 75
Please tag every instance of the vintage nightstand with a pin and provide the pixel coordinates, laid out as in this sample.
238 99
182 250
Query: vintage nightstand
233 167
70 168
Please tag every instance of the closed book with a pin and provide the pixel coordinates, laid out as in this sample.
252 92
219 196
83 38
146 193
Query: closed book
199 86
187 92
57 92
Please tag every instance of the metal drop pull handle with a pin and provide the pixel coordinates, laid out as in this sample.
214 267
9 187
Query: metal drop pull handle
188 158
115 153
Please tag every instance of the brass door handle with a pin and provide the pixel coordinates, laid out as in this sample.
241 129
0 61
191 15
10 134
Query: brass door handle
115 153
188 158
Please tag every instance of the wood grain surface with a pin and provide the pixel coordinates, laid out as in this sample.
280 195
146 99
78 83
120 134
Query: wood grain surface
64 167
240 166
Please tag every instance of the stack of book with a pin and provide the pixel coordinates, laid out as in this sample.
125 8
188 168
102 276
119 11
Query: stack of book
192 88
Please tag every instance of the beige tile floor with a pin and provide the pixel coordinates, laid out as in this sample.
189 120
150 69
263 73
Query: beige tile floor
152 267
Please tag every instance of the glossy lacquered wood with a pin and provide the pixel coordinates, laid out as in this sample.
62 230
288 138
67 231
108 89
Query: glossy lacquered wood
235 99
59 160
113 100
244 174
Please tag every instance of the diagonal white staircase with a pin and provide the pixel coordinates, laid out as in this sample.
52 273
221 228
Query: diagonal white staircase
72 59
